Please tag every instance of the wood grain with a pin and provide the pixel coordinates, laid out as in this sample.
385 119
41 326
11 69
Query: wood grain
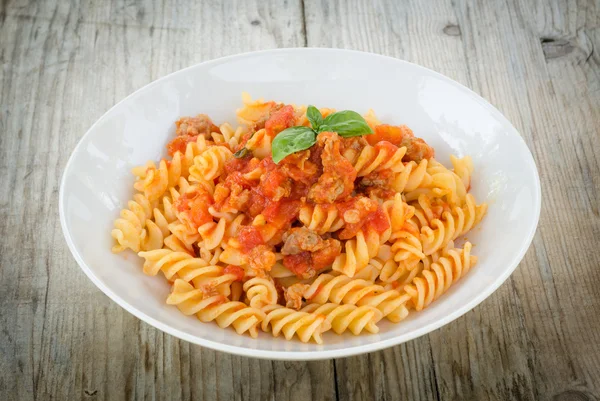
65 63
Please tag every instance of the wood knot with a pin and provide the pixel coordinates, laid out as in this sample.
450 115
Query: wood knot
90 393
554 48
452 30
255 22
572 395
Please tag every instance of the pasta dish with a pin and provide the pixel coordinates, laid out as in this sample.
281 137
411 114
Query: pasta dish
300 221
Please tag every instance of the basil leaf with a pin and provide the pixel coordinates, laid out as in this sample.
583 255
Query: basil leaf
292 140
314 116
241 153
346 123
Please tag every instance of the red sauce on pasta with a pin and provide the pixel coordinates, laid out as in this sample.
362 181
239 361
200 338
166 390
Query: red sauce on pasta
280 120
195 205
250 237
377 221
322 174
298 264
237 271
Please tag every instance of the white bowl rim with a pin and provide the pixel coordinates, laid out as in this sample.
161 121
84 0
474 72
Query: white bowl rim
305 355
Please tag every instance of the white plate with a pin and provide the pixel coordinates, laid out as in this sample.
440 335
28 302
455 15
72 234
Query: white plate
97 181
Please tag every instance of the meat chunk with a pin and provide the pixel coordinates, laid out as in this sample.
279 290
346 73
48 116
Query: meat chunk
194 126
376 185
299 168
188 129
416 150
306 252
293 295
301 239
337 180
380 179
260 260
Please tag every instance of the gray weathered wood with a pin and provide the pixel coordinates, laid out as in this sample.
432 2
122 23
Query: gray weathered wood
65 63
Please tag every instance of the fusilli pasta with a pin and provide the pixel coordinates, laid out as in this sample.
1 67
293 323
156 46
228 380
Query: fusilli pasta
208 308
430 284
332 236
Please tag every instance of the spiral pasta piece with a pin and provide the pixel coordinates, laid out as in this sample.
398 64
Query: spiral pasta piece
173 243
430 284
320 218
290 322
463 168
165 213
210 164
134 229
382 156
399 272
229 215
188 268
215 233
412 177
212 233
369 273
468 216
406 245
437 237
357 253
158 233
345 290
208 307
446 182
451 225
392 271
211 256
232 138
347 317
153 181
397 212
185 234
260 144
260 292
232 254
253 111
192 150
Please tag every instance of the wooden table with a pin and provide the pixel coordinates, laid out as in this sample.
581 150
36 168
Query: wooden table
65 63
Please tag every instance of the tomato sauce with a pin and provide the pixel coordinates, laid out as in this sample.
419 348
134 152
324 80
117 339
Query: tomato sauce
279 213
377 221
299 264
390 133
195 204
237 271
250 237
280 120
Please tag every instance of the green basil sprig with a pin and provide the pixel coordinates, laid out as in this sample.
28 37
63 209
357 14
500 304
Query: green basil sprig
346 123
292 140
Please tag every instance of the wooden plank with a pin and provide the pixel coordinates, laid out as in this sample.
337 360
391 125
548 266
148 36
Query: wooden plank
535 62
64 64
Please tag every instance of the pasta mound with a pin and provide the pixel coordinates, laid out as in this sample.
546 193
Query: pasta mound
337 236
